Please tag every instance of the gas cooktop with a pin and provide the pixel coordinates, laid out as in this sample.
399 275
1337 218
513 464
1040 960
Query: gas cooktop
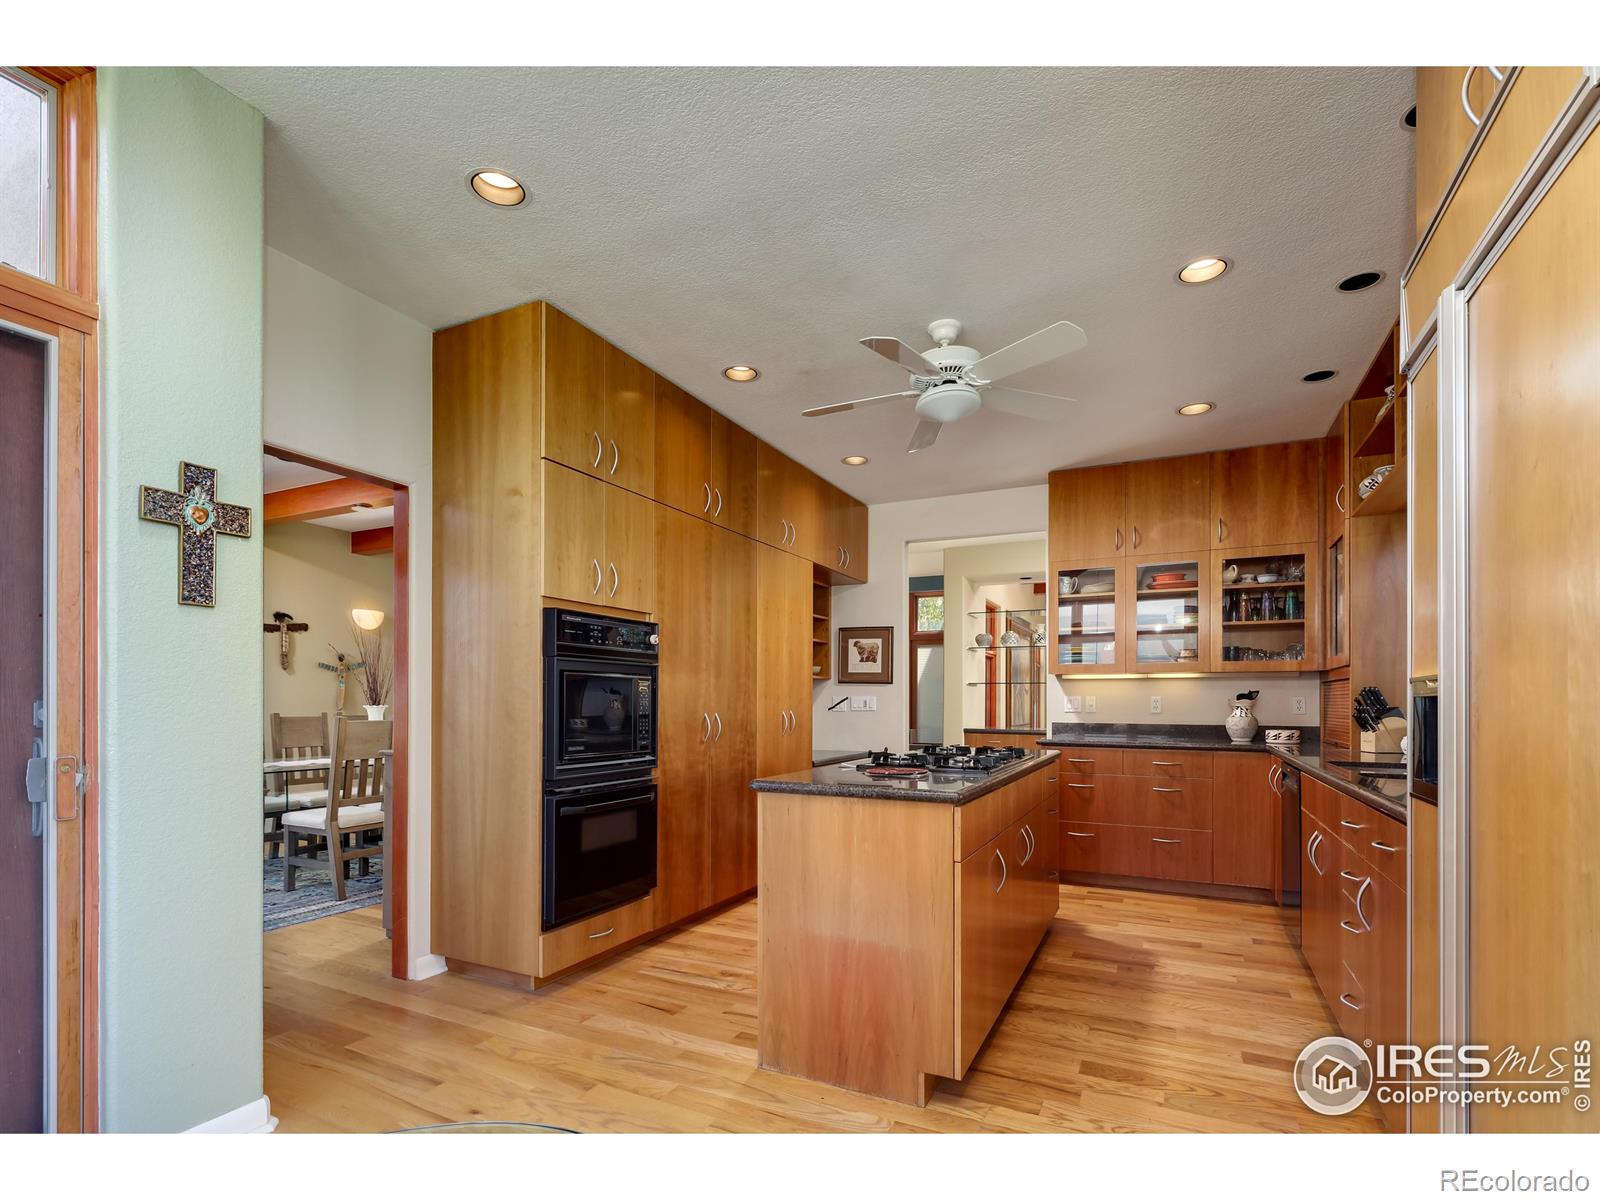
946 758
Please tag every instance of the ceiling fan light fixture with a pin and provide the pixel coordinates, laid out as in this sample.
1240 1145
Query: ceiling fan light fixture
854 460
1195 410
741 373
1203 270
497 188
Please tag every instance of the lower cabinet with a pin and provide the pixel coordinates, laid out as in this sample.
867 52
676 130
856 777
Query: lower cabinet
1353 916
1246 821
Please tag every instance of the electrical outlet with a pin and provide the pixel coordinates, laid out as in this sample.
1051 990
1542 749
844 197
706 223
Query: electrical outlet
1074 703
1300 705
1088 704
1155 704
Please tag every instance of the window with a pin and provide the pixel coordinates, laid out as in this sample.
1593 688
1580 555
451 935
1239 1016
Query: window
27 167
927 668
930 613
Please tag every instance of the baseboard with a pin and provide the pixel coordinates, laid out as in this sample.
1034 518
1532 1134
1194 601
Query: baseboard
255 1117
428 966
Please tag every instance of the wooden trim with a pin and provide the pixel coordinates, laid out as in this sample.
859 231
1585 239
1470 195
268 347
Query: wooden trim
322 464
919 639
47 301
372 541
324 499
399 860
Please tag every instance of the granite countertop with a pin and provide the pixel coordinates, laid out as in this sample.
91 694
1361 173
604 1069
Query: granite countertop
936 787
1383 794
998 729
828 758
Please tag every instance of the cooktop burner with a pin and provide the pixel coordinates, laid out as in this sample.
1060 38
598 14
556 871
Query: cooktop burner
946 758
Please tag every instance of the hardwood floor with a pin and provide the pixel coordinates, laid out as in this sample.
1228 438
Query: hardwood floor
1142 1012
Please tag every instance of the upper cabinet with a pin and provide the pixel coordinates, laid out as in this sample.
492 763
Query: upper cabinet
705 464
1088 513
1265 495
733 476
790 509
599 406
1167 504
843 550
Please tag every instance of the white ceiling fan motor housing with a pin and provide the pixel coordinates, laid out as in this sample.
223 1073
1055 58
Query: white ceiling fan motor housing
948 402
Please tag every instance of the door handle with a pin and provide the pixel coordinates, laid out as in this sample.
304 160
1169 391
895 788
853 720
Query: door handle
847 556
1119 538
705 728
1219 529
1344 999
718 511
1351 824
718 718
1082 787
706 507
1160 762
1003 871
599 450
1466 104
38 788
1080 760
1386 848
599 577
1361 912
1135 537
615 457
616 580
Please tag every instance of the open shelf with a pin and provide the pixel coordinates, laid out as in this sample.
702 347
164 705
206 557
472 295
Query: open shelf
1388 497
1263 624
1378 441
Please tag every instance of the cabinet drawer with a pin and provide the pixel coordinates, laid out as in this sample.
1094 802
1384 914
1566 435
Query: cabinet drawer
982 819
1321 802
1137 850
571 944
1076 762
1129 800
1167 764
1386 849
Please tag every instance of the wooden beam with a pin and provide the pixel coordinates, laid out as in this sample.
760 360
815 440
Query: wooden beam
372 541
324 500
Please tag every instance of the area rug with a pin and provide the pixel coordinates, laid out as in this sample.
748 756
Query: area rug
313 894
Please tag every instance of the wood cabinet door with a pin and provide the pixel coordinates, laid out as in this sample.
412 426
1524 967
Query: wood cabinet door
1336 499
1168 502
1443 132
1244 820
574 394
1265 495
1385 909
772 500
808 512
683 725
1088 512
630 423
574 536
774 663
630 524
982 882
683 450
855 539
1318 875
733 476
797 645
731 650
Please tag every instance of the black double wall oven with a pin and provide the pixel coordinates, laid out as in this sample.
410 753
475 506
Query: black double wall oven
600 680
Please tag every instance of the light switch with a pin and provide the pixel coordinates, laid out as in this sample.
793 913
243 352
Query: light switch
872 704
858 704
1088 704
1074 703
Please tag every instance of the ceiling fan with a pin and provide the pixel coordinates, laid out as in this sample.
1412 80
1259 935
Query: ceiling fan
951 381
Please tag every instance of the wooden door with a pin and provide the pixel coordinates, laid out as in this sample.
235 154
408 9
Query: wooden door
1092 622
1168 628
25 401
1532 415
575 561
1243 815
683 448
574 387
630 542
733 476
797 654
688 663
732 651
808 509
630 423
855 539
772 499
1264 495
1088 512
1318 874
1168 502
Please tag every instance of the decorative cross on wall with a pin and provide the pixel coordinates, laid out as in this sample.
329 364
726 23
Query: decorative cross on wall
199 516
283 624
340 666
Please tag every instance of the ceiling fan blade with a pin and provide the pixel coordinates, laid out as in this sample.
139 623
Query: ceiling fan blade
1050 342
924 435
897 351
829 409
1041 406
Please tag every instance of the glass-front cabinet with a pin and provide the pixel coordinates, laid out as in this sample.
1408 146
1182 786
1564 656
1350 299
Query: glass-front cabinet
1264 616
1169 626
1091 606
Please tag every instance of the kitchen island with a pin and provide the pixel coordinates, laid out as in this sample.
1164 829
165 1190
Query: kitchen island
897 916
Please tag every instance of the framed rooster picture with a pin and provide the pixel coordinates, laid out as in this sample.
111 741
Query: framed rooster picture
866 654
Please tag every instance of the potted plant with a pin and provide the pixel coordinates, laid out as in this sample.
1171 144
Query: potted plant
377 671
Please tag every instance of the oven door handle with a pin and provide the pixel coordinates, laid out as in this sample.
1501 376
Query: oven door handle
582 810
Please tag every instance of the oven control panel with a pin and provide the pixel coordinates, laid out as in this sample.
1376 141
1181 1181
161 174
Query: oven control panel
567 631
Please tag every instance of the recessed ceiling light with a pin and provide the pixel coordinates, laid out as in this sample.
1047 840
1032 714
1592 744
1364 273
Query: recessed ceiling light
1410 119
1318 376
497 188
1360 281
854 460
1203 270
1195 410
741 373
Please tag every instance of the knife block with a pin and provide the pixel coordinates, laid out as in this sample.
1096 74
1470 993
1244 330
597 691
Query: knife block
1385 739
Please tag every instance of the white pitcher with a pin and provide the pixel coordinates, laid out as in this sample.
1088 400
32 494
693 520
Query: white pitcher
1241 723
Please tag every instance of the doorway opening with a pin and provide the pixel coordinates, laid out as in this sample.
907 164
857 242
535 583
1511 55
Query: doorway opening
335 611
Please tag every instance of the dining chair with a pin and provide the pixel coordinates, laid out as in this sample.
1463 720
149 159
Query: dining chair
355 807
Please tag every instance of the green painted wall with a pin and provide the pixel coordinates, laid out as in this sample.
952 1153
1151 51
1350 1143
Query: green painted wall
181 288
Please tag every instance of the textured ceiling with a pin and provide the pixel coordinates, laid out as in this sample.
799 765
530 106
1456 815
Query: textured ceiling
699 217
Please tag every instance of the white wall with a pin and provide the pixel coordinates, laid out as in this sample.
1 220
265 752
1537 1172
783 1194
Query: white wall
350 382
882 601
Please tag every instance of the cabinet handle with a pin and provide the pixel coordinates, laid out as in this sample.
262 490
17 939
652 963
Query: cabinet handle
603 933
1338 502
599 577
1003 872
706 507
1119 537
1050 812
847 556
616 580
1075 833
705 728
1156 789
1351 824
1168 841
1050 779
1344 999
615 457
1466 104
1361 912
1157 762
1386 848
599 449
1349 928
1082 787
1348 875
1080 760
1219 529
1022 854
1135 537
1272 778
718 511
718 718
1311 851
